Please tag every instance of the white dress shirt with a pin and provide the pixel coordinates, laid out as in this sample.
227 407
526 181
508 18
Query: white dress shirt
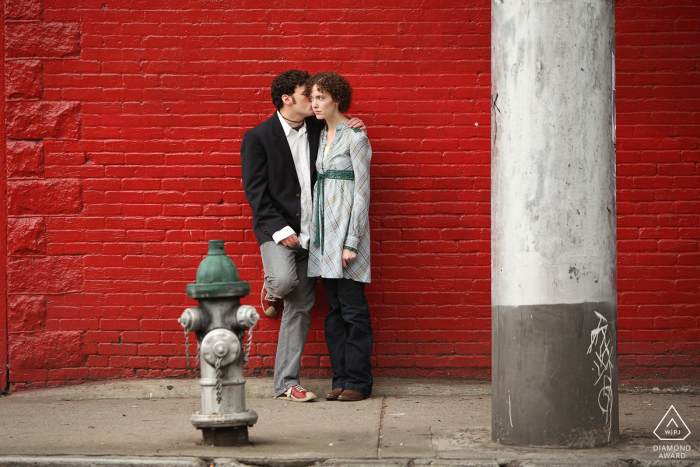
299 145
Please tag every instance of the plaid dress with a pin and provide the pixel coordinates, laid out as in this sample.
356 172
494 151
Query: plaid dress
341 207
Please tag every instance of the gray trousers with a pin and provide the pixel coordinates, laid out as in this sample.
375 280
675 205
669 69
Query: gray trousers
285 276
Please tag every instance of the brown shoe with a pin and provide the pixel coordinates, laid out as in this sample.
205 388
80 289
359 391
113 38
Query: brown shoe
333 395
351 396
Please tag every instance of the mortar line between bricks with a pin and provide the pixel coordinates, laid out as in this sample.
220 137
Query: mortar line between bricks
381 428
4 325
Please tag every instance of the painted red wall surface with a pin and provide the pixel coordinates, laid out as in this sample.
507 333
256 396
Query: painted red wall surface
124 120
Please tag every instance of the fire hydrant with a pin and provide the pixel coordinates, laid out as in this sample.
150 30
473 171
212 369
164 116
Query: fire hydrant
219 323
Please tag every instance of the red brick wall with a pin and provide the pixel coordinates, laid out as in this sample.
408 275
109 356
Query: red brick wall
658 189
124 122
3 239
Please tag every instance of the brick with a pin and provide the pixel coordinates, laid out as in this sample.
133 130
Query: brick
111 348
26 313
44 197
74 375
23 9
157 349
37 120
28 377
26 235
46 350
45 40
23 79
119 325
45 275
25 159
678 245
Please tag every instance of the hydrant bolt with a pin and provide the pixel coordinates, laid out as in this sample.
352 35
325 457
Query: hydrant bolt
220 349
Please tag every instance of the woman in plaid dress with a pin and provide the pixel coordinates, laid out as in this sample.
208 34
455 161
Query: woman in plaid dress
340 248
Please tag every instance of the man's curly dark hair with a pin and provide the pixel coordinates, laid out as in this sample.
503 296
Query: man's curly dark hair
331 82
286 83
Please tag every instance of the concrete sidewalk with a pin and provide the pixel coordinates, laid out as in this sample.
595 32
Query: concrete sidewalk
405 423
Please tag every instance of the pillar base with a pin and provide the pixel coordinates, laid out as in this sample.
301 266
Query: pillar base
228 436
555 375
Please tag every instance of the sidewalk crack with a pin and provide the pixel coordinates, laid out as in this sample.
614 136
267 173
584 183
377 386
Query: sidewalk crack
381 429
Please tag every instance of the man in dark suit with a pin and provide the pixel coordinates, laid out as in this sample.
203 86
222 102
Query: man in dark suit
278 165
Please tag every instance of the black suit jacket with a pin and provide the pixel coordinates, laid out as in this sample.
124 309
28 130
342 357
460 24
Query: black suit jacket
270 179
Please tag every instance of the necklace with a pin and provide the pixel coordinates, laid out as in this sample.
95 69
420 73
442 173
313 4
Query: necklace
290 120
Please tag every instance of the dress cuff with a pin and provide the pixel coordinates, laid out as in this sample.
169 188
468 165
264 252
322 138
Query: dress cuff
351 243
282 234
345 247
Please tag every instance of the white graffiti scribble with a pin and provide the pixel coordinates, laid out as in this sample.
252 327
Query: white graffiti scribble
604 364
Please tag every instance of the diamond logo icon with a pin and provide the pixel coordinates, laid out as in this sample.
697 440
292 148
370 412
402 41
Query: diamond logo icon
672 427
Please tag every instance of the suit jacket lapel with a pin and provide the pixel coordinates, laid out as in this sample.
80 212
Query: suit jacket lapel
313 134
282 143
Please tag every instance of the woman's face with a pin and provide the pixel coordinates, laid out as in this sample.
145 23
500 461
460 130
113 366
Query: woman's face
322 104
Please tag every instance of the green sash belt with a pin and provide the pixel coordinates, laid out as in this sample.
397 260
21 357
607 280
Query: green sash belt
320 196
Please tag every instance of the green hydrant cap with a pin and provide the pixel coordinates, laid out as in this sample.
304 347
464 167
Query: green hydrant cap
217 276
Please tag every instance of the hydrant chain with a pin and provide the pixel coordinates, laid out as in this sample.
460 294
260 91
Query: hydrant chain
187 350
219 375
197 357
248 343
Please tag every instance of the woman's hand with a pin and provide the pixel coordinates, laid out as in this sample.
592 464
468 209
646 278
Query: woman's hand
348 256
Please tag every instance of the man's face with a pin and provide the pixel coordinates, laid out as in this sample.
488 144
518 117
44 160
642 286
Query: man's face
299 102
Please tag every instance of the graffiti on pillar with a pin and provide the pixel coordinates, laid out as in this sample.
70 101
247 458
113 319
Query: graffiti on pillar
601 344
510 414
494 109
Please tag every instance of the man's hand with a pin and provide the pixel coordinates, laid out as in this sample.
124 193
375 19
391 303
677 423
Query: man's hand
348 256
356 123
291 241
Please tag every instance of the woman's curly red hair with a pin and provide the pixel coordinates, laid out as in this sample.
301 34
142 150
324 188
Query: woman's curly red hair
331 82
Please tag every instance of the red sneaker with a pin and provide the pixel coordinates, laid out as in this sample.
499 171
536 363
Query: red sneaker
298 394
270 304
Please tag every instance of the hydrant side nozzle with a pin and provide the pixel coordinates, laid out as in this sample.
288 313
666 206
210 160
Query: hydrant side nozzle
191 319
246 317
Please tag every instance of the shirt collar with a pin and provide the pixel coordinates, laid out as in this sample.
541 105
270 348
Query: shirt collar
286 127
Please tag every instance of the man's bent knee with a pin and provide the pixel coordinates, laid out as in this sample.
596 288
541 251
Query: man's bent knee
280 286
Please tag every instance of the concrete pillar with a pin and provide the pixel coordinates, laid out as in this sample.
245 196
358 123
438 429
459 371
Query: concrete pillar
554 293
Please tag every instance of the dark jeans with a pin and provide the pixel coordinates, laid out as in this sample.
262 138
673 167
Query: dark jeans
349 335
